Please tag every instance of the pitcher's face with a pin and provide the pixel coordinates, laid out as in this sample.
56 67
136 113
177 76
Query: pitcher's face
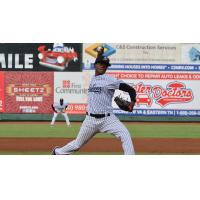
100 69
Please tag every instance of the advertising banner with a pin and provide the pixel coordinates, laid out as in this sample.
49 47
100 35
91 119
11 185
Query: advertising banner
158 93
127 56
28 92
166 76
41 57
134 53
1 92
73 88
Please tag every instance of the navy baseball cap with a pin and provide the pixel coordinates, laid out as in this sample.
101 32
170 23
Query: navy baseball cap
103 60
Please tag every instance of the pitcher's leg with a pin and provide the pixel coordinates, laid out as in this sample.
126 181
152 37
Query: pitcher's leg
114 126
66 119
87 131
54 118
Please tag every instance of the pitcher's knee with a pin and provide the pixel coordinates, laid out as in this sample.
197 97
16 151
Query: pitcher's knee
125 137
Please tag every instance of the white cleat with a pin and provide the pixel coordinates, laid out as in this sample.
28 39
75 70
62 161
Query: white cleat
54 151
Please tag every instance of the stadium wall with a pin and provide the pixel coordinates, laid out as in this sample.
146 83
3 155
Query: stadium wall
165 76
80 118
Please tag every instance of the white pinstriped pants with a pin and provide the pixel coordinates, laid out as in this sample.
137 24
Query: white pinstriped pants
91 126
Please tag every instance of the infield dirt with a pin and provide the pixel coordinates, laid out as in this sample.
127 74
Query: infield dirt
142 145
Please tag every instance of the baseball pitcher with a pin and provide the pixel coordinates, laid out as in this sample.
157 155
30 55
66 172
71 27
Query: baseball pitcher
99 116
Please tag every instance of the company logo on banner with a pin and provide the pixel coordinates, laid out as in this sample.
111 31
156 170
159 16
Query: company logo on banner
58 57
73 87
145 53
191 53
41 57
1 92
91 53
27 92
92 49
175 92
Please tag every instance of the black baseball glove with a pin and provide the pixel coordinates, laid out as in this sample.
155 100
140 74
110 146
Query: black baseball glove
124 104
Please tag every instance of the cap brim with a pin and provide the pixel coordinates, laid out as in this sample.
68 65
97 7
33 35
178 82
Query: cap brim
107 64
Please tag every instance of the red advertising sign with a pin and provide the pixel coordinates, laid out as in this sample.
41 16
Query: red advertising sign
28 92
76 109
1 92
174 92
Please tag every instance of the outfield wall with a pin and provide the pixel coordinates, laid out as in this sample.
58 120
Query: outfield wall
80 118
165 76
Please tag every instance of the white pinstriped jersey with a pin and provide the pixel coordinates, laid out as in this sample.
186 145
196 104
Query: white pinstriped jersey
100 93
59 107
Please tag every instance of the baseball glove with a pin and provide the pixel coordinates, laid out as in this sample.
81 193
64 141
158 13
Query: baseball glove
123 104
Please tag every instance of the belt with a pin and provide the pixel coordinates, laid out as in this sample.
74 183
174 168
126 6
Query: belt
98 115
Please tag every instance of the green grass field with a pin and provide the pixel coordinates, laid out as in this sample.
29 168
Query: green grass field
154 130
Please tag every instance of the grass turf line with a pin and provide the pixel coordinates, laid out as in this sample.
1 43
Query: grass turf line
136 130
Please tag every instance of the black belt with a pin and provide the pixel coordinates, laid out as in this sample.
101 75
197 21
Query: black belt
98 115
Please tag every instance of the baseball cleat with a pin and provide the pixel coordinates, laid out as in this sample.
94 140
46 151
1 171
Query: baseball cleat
54 151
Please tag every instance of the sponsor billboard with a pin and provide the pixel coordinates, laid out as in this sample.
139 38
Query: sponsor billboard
41 57
134 53
28 92
158 93
73 88
1 92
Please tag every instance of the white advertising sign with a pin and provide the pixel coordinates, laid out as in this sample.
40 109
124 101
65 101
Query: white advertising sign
162 93
134 53
73 88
